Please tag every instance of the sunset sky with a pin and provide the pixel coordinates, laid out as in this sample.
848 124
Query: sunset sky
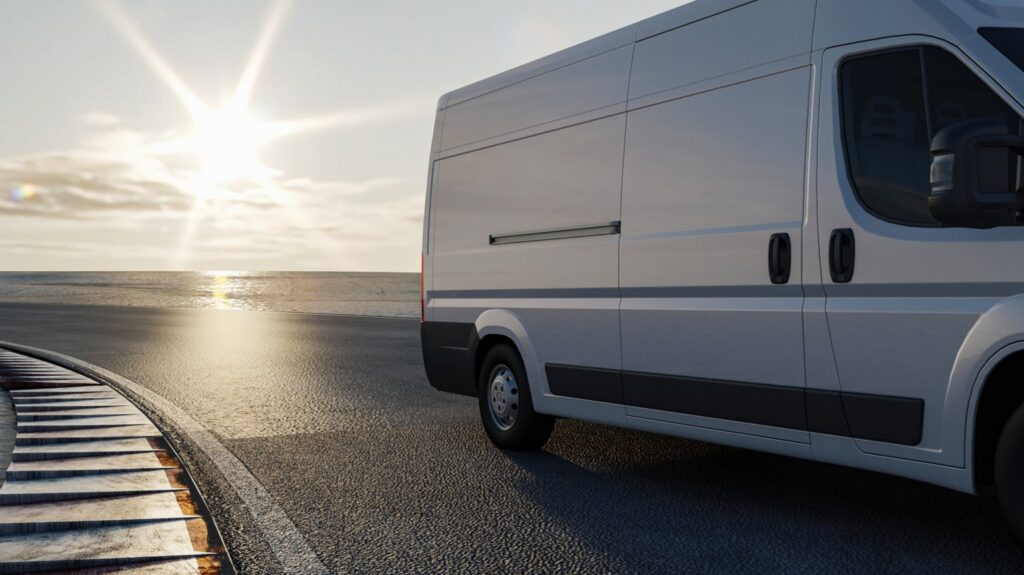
239 134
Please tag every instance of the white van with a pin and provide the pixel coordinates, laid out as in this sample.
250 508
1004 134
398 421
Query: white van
795 226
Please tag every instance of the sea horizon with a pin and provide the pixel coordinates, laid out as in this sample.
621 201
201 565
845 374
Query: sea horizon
380 294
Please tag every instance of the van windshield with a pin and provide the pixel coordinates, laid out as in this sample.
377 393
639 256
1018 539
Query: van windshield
1009 41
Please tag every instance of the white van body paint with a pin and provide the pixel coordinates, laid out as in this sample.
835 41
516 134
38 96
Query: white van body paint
700 133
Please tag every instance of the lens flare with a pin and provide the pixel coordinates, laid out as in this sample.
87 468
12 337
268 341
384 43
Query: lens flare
23 192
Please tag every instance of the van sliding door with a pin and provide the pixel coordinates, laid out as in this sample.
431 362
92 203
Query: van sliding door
712 213
712 207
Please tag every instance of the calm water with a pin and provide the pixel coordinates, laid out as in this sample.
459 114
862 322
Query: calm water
376 294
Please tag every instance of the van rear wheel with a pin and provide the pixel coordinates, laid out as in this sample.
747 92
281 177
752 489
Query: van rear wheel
1009 474
506 406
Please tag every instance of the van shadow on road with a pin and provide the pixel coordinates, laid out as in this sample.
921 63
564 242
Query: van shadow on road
657 504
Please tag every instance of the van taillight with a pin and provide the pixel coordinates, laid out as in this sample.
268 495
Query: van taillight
423 311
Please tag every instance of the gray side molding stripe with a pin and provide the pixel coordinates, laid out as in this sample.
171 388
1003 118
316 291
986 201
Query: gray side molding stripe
755 291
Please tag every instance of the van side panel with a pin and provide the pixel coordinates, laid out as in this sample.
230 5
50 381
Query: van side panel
752 35
564 291
558 180
432 174
592 84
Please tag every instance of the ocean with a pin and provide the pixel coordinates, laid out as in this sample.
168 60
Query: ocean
366 294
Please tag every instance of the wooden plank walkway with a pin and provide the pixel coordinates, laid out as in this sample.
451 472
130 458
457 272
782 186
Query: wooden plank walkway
91 485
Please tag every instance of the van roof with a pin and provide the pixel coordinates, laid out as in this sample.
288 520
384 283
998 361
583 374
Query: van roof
670 20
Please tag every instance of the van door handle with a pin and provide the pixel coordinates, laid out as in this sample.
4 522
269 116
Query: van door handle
841 255
780 258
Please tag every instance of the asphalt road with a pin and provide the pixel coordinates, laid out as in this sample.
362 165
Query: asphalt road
382 474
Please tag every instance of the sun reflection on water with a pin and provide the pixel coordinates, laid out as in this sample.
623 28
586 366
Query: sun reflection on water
221 288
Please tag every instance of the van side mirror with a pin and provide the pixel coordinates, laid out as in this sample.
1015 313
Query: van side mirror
976 175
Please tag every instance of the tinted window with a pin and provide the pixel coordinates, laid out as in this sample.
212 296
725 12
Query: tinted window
1009 41
956 94
893 105
886 134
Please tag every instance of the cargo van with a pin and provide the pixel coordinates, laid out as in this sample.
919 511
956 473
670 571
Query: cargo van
795 226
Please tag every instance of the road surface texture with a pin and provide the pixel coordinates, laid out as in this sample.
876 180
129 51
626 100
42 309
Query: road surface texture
381 474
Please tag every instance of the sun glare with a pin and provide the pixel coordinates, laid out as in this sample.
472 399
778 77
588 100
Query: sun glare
227 141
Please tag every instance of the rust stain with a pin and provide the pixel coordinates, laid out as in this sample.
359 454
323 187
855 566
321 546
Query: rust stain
174 477
188 507
209 565
165 459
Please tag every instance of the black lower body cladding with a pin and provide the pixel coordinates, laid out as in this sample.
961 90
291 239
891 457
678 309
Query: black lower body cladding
449 355
896 420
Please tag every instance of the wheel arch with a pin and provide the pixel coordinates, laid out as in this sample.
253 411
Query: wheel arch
997 335
502 326
999 395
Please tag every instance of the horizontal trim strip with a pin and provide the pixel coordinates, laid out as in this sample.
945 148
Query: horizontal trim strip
896 420
551 293
759 291
712 292
754 291
610 228
965 289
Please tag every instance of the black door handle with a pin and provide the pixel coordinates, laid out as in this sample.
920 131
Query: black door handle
841 255
780 258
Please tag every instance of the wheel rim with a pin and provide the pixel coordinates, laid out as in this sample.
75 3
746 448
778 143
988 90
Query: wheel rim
503 397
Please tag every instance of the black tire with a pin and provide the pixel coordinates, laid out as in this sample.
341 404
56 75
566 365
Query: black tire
528 430
1009 474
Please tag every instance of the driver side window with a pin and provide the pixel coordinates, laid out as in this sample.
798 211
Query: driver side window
893 105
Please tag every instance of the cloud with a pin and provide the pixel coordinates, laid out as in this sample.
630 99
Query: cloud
342 188
125 173
120 200
84 185
46 247
97 119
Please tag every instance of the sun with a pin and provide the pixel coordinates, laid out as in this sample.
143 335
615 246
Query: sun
226 142
222 145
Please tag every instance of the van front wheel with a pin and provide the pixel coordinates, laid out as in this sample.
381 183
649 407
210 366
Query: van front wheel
506 406
1009 474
